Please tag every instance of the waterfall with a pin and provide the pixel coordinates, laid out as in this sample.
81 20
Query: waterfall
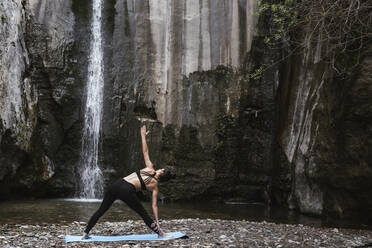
91 185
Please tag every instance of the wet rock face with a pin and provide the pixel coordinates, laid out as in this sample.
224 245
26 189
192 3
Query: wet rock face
176 62
48 93
14 59
301 131
150 50
326 160
155 44
348 180
17 94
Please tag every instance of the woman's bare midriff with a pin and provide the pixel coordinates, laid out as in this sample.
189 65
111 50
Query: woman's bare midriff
133 179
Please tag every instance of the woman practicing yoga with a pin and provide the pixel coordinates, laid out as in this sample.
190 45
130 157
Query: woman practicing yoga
125 189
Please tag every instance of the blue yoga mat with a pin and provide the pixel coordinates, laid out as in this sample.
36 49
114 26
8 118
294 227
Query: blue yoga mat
141 237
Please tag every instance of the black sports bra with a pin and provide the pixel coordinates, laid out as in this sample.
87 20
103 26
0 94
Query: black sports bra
147 179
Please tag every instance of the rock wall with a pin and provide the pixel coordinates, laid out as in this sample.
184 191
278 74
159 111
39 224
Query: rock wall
181 63
323 162
298 136
348 180
14 59
17 94
161 58
41 98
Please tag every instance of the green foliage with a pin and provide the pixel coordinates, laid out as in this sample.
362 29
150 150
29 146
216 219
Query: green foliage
284 15
267 40
3 17
257 74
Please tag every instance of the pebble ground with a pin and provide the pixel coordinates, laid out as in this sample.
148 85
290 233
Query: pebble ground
201 232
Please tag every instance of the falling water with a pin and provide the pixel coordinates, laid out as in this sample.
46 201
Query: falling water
91 185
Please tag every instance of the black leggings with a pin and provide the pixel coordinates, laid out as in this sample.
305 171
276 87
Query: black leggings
126 192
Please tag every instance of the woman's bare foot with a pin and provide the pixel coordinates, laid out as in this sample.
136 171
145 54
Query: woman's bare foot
85 236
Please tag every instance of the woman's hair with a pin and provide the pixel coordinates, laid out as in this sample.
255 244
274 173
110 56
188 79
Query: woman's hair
166 176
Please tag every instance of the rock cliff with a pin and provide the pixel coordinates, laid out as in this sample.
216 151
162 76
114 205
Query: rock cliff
298 136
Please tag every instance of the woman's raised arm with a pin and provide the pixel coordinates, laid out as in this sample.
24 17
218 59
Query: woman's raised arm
145 149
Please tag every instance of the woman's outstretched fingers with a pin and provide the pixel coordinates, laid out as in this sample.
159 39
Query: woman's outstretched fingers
163 235
143 130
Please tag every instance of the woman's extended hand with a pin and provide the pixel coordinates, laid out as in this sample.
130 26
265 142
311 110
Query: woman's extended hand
143 131
163 235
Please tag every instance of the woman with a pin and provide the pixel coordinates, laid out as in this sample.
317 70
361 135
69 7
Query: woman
125 189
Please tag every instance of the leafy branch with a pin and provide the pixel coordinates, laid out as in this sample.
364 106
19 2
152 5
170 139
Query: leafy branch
340 28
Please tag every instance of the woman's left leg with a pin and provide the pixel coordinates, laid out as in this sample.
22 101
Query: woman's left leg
108 199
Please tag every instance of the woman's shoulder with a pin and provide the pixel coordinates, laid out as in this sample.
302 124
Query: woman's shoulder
146 169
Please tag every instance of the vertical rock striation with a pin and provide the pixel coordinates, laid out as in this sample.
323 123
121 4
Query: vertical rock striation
324 154
17 94
43 103
53 70
16 98
178 62
300 133
191 36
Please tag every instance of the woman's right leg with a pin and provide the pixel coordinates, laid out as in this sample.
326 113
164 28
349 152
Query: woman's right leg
135 204
108 199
